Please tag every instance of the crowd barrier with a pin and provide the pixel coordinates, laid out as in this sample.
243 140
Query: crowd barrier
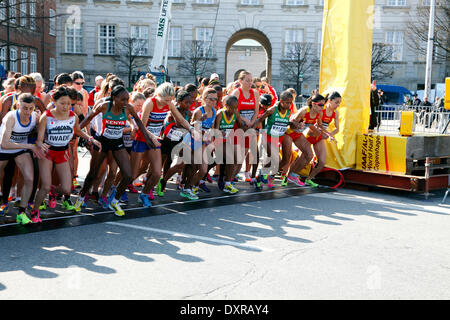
425 121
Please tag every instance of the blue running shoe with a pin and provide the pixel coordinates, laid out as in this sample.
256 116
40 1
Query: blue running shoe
103 201
204 187
144 200
112 194
124 198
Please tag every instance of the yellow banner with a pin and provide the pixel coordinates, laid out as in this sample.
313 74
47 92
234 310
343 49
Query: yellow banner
345 67
381 153
447 94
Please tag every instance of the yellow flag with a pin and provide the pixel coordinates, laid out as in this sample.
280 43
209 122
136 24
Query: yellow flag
347 30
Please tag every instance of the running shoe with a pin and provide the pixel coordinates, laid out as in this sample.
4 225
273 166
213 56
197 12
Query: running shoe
221 185
75 183
68 205
144 200
195 190
247 176
22 218
17 203
43 206
208 178
296 181
204 187
3 209
79 204
269 182
258 186
230 189
138 184
180 186
150 195
103 201
160 187
112 195
115 206
51 200
124 198
252 181
11 198
187 193
132 189
264 178
35 216
215 177
284 181
311 183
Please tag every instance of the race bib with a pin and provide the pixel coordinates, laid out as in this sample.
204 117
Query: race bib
175 135
247 114
155 130
277 130
112 133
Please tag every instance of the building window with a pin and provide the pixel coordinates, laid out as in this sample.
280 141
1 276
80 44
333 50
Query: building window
24 62
13 11
174 48
292 37
107 39
140 33
205 1
249 2
2 12
13 59
204 38
23 14
397 3
74 38
33 62
51 68
395 39
3 56
295 2
52 22
32 15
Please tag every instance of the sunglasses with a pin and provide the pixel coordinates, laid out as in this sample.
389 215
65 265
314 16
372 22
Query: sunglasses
79 83
319 104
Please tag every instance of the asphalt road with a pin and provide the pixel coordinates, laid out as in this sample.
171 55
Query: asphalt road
334 245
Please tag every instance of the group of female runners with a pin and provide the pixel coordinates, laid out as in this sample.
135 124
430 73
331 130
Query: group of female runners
143 138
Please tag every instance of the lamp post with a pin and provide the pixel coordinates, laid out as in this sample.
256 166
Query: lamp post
429 62
299 85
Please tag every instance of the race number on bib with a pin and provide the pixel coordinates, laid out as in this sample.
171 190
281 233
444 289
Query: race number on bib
175 135
277 130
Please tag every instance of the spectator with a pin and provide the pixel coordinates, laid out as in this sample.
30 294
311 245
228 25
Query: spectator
98 84
416 102
425 108
268 89
408 101
374 103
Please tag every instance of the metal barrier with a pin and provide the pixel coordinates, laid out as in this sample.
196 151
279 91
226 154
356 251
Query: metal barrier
424 121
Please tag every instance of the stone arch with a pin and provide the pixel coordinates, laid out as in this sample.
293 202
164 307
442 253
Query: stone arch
236 74
254 34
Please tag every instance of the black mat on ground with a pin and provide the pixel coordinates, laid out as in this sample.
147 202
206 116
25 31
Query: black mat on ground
171 202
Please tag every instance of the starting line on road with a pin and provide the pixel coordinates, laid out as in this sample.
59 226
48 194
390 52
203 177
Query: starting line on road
80 219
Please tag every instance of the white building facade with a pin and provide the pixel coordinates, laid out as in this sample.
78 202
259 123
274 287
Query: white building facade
88 36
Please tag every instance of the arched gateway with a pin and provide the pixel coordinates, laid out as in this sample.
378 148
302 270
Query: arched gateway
256 35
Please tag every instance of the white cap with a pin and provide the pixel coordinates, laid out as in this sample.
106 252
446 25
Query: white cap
98 78
214 76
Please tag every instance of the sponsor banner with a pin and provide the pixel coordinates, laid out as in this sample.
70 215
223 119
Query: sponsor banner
381 153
